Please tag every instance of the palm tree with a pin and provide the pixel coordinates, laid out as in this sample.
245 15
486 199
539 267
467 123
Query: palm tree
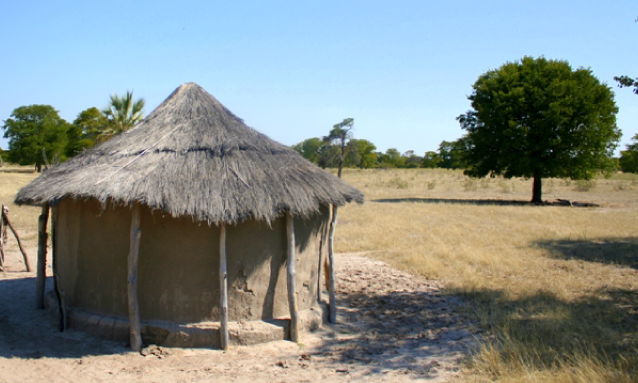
123 113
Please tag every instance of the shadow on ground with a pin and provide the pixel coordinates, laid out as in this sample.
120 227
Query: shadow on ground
603 325
619 251
497 202
26 332
391 321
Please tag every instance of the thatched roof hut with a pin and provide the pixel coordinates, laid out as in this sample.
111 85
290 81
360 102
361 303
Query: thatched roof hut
193 173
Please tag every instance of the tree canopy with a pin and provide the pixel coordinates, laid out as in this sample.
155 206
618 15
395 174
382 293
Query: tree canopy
86 129
35 131
123 113
627 82
539 118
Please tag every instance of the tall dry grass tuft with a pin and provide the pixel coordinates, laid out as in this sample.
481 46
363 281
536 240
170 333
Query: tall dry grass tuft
554 288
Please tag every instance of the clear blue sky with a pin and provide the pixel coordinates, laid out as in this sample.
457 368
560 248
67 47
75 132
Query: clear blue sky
292 69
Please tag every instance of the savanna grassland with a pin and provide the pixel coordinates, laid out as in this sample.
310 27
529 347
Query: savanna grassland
554 288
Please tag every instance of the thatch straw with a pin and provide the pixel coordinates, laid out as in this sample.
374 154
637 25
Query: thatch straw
192 157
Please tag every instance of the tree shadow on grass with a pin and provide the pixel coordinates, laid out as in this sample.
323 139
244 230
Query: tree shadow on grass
554 332
497 202
618 251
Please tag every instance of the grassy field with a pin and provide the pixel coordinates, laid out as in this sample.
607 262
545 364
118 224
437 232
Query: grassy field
553 287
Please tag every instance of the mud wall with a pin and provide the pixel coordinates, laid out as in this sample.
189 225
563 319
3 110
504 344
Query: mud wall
179 263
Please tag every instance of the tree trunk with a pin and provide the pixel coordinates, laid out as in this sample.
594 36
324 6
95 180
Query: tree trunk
343 155
537 194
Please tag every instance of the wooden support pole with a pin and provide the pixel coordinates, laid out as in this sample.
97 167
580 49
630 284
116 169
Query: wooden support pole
223 288
292 298
41 275
2 228
5 216
331 271
56 271
133 304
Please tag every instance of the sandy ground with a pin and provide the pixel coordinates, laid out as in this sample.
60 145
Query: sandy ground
392 327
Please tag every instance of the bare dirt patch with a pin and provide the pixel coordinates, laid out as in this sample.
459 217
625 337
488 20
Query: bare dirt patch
392 327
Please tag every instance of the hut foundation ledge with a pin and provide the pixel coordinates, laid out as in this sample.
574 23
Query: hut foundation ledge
202 334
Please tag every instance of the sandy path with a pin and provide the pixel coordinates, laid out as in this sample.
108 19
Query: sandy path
392 327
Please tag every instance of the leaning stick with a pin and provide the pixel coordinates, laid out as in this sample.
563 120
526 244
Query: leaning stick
5 216
331 270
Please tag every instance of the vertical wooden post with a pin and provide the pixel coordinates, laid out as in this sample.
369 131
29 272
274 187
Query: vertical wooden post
223 288
292 299
331 257
56 271
133 304
42 257
1 242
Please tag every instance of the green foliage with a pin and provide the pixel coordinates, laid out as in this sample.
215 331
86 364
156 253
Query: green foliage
431 160
539 118
626 81
310 149
451 154
391 159
123 113
32 129
361 153
411 160
86 129
628 161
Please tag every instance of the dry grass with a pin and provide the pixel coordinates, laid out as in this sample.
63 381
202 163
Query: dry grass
23 218
554 287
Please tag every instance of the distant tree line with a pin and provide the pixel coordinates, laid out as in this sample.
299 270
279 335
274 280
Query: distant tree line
37 134
363 154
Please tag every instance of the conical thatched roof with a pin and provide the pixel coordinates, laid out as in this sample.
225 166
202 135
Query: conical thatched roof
192 157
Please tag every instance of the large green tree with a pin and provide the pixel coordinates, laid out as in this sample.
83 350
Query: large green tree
123 113
361 153
35 132
539 118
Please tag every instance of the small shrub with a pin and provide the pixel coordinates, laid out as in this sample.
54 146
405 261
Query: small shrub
431 185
